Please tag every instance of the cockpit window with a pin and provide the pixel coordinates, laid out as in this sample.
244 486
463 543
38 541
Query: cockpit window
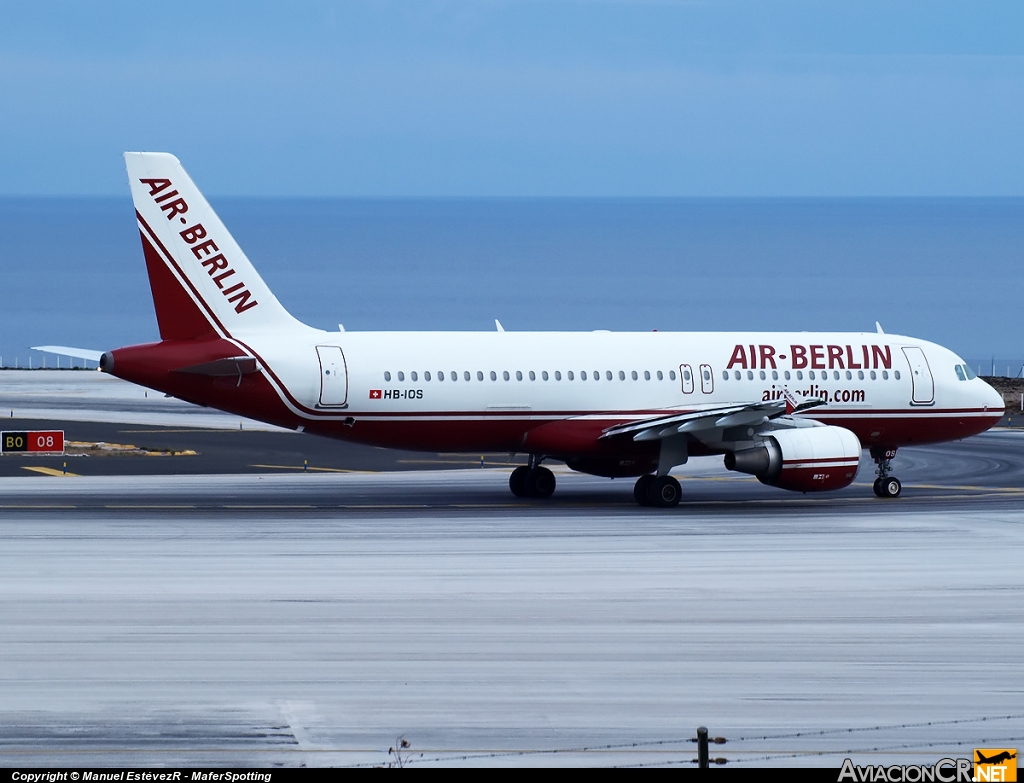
971 375
960 373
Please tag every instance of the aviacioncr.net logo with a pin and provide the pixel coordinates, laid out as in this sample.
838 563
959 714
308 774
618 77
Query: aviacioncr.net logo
995 765
942 771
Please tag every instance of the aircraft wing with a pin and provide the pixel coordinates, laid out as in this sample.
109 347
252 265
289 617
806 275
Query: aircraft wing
699 423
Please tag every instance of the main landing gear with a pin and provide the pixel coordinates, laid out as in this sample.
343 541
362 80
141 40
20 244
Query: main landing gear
657 491
885 486
532 481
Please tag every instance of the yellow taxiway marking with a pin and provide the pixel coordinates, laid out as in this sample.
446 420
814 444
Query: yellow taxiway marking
206 431
311 468
470 461
48 471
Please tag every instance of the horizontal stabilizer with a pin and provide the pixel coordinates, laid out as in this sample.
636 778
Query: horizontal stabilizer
64 350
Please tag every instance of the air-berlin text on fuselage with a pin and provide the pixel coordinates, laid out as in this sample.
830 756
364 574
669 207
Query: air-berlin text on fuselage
813 357
217 265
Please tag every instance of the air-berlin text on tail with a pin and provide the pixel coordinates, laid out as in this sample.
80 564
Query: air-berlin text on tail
814 357
217 265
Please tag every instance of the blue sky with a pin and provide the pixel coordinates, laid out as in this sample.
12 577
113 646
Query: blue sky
518 98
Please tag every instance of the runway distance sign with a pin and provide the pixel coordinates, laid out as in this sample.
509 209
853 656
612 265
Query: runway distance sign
41 442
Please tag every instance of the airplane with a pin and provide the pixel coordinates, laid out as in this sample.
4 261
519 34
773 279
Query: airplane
1003 756
793 409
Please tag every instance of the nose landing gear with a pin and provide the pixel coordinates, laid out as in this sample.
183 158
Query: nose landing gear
885 486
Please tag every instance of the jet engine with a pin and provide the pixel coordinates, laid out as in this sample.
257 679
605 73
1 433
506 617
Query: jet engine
805 459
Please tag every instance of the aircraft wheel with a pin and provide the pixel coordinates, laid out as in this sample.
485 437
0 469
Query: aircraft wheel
877 487
891 487
664 492
640 489
540 483
517 481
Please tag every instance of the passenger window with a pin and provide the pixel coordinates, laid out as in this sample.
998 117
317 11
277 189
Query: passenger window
835 374
799 375
494 375
725 375
635 376
533 375
739 377
787 375
750 375
401 375
387 375
647 375
849 375
426 375
519 375
440 376
597 375
558 375
608 375
583 375
810 374
466 376
672 375
544 375
885 375
860 375
775 375
455 375
660 376
479 375
569 375
896 374
622 375
505 375
413 375
763 376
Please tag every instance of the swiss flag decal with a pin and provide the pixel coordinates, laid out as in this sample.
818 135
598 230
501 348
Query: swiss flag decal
374 394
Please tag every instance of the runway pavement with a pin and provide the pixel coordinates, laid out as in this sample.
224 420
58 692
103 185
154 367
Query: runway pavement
282 617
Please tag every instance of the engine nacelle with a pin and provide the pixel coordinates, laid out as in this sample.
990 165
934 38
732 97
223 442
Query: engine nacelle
806 459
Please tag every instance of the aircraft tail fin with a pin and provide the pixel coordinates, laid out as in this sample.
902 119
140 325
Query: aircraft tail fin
202 282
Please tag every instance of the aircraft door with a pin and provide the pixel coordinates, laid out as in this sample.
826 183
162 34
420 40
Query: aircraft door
686 376
707 379
920 376
333 377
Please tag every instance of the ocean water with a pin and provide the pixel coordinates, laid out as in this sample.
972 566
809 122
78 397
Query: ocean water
947 270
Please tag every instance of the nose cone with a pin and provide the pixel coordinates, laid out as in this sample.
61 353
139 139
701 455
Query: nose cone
990 398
